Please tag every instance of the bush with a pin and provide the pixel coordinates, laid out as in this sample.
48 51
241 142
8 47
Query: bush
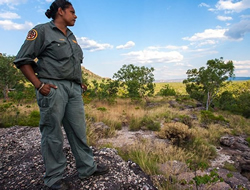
202 149
248 140
227 101
8 114
244 104
177 132
144 123
32 120
134 124
150 124
186 120
167 91
207 117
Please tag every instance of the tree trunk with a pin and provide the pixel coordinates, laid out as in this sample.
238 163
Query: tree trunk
5 92
208 100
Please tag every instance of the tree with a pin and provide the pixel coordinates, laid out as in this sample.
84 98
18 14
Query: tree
137 80
205 83
10 75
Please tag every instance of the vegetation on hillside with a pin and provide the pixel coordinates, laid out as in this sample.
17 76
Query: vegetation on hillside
204 84
175 115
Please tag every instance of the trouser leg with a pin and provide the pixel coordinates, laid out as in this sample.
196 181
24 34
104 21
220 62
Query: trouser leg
75 128
51 113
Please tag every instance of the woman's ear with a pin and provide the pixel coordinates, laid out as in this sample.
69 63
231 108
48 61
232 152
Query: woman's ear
60 11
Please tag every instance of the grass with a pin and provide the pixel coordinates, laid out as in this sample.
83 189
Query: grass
178 86
190 141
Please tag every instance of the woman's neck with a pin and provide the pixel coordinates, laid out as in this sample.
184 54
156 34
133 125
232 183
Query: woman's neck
61 27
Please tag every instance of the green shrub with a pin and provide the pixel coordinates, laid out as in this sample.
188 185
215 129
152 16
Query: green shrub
201 148
32 120
213 177
207 117
4 107
167 91
145 123
248 140
229 167
150 124
134 124
102 109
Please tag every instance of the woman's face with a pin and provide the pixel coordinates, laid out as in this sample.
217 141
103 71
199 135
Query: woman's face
69 16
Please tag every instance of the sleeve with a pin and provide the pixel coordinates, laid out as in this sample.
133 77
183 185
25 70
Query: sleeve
31 48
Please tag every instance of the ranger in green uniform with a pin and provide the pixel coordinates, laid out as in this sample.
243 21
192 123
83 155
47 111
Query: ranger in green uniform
58 79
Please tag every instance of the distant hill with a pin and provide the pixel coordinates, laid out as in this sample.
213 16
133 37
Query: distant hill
240 78
168 80
90 75
180 80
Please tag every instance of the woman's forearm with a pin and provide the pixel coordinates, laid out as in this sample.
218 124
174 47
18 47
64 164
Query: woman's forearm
29 73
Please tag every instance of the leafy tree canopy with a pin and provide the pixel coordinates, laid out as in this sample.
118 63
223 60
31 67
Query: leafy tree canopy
10 75
137 80
204 84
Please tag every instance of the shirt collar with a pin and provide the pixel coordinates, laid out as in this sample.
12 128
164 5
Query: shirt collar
52 25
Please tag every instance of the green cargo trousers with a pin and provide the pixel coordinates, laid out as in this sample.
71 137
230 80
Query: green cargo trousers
63 107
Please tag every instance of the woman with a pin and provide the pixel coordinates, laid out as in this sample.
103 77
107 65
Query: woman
58 79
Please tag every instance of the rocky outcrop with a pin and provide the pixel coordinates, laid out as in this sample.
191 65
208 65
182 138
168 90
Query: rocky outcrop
21 165
238 149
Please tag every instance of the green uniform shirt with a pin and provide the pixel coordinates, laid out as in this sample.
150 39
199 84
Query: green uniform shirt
59 56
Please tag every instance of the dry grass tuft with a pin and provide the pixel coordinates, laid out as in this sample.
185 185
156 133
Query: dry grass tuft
177 132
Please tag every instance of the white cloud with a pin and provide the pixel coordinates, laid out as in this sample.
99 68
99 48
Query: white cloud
242 73
242 64
224 18
166 72
245 16
171 47
149 56
203 5
12 2
177 47
9 15
237 31
92 45
9 25
128 45
207 42
242 68
207 34
229 5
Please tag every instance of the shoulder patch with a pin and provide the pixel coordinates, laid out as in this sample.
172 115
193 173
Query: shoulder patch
74 41
32 35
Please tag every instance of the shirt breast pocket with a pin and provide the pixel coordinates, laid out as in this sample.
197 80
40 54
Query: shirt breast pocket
60 50
78 52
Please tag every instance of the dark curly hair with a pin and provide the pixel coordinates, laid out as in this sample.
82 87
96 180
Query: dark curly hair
51 12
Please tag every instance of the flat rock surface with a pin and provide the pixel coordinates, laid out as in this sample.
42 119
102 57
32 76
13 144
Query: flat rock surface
21 165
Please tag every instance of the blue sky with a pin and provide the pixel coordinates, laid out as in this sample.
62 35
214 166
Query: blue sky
170 35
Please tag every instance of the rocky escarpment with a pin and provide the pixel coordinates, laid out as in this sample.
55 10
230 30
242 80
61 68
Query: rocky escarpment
238 151
21 165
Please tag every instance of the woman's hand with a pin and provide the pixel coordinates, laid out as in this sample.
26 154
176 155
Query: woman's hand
45 90
84 87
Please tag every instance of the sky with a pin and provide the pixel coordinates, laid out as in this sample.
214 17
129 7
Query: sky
172 36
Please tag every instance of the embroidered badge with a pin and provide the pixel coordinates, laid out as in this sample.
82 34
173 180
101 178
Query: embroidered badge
74 41
32 35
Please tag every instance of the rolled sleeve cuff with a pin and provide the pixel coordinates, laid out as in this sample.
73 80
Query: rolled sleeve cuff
24 61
